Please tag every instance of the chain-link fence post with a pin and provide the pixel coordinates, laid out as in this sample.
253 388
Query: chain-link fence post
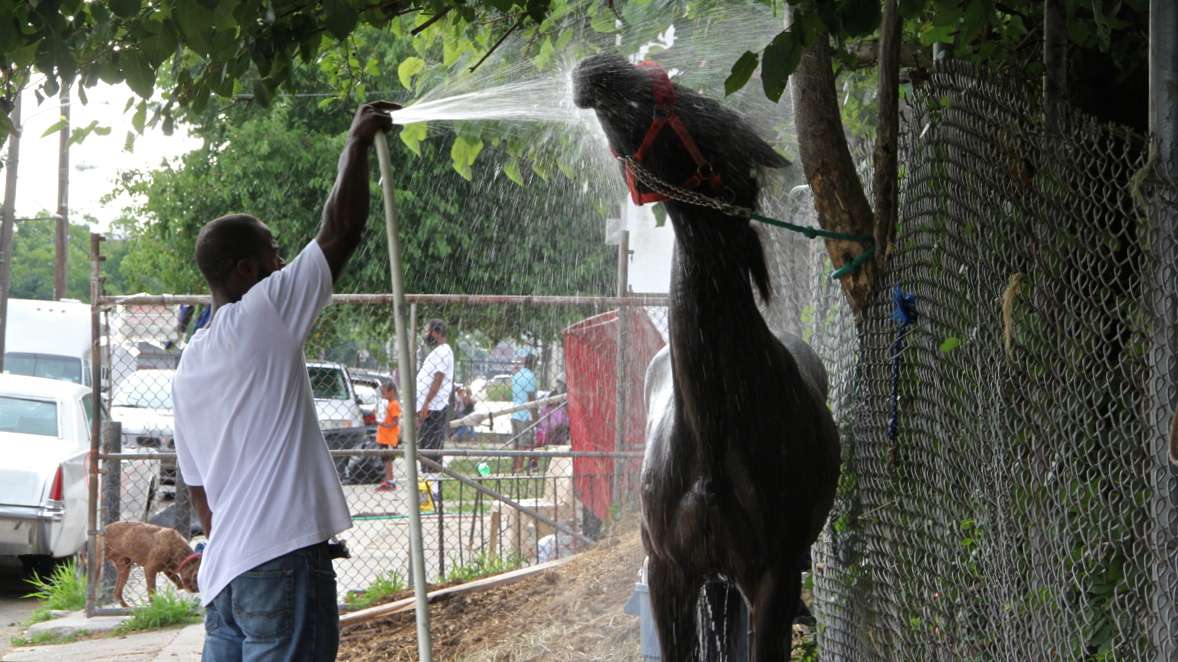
111 489
1163 120
620 367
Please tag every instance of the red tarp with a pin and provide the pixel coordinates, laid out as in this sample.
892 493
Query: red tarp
590 350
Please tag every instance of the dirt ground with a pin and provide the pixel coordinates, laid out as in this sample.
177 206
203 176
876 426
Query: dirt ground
573 612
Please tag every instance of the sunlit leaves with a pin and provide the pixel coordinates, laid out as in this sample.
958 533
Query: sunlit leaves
412 135
409 67
463 152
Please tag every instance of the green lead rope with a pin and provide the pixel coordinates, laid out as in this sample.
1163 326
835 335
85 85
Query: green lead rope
813 233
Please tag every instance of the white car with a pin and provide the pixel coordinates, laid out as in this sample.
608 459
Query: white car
142 403
44 443
337 408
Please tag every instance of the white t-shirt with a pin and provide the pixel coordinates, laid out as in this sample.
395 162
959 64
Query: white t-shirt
440 360
246 427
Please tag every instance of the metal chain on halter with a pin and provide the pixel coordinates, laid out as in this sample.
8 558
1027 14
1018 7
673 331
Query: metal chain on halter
654 183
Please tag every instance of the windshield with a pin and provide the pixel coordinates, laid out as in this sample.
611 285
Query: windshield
145 390
327 383
28 416
63 368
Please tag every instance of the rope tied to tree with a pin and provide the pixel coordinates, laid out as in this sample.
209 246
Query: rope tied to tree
687 196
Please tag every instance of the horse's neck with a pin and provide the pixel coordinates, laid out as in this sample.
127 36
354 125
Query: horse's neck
717 335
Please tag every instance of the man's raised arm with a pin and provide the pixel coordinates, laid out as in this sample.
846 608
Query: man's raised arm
346 211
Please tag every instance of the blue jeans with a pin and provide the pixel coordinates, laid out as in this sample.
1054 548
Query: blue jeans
284 609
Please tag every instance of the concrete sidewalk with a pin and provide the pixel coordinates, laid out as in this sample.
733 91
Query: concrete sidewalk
175 645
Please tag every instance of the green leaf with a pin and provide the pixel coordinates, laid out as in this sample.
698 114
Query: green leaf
140 75
129 142
58 126
262 93
340 19
139 119
196 24
409 67
741 72
511 169
412 135
538 9
781 57
604 22
860 17
124 8
949 344
545 56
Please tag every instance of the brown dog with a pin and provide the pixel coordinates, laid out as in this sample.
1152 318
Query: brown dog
156 549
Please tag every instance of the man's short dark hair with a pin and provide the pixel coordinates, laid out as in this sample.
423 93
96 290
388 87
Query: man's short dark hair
223 242
437 325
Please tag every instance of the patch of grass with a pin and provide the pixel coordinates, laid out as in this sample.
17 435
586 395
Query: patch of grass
46 638
385 585
64 590
483 565
166 608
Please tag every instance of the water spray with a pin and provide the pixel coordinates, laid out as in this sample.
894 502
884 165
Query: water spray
409 426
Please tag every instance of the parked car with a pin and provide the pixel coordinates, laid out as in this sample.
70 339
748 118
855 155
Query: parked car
368 396
142 403
337 408
45 440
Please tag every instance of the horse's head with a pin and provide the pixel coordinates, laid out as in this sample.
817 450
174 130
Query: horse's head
686 140
682 137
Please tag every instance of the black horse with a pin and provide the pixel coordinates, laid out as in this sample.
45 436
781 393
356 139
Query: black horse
742 454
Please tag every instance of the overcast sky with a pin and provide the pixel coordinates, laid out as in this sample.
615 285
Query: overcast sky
95 163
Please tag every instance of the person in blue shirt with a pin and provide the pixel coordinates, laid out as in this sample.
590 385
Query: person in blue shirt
523 390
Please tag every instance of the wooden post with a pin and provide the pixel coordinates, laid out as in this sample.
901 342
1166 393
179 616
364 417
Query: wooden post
62 236
9 218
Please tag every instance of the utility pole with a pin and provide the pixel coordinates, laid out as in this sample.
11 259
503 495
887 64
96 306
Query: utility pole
62 238
9 218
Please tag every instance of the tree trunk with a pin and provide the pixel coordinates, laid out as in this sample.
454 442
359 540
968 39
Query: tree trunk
1055 61
884 184
826 160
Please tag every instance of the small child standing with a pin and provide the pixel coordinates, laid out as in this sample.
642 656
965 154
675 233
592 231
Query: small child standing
388 432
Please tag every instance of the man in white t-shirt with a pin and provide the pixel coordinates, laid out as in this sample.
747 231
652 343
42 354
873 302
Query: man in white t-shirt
435 381
247 437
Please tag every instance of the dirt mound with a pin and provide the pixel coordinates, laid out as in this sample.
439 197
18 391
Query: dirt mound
573 612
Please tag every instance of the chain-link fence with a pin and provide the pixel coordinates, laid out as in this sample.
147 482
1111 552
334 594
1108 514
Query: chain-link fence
520 462
1000 491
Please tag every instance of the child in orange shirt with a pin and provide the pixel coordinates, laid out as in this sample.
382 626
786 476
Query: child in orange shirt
388 432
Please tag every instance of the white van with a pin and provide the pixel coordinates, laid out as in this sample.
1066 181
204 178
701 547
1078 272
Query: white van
48 339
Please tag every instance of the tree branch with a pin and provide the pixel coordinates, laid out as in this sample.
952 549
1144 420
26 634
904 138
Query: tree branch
834 184
499 43
887 133
1055 60
433 19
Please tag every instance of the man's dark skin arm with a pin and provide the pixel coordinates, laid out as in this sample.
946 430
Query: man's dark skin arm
346 213
201 503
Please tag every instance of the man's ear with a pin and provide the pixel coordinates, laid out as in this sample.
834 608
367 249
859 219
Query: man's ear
247 270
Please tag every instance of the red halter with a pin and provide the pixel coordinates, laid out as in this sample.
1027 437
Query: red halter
664 114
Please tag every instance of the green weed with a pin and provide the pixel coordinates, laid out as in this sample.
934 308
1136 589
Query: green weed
64 589
165 608
385 585
483 565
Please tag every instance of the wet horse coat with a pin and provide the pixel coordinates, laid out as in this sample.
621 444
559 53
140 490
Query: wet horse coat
742 454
